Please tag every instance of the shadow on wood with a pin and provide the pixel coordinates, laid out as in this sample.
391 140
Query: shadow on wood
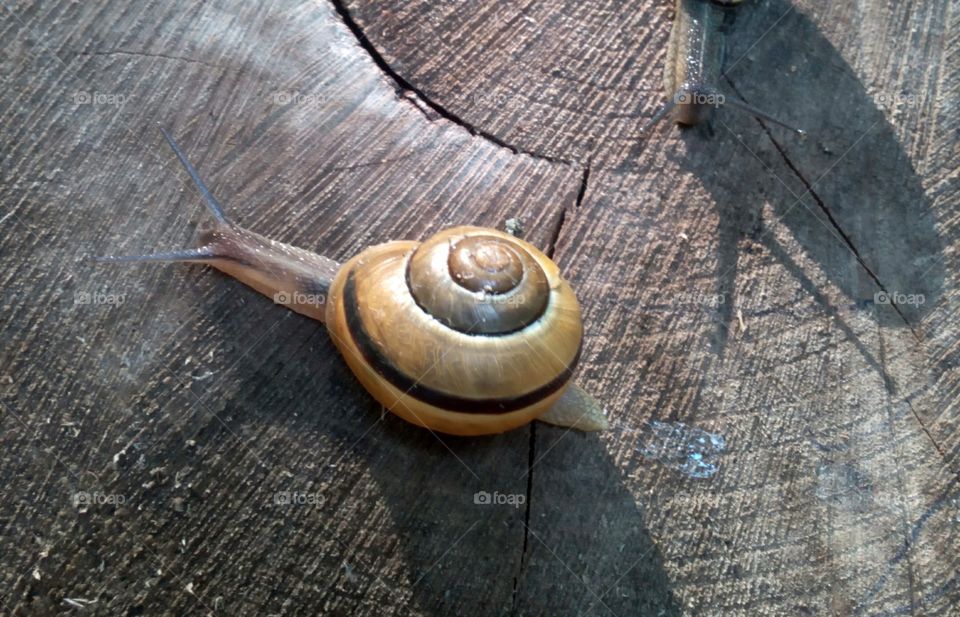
582 546
847 193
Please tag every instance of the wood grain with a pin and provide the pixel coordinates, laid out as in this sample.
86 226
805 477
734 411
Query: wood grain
174 444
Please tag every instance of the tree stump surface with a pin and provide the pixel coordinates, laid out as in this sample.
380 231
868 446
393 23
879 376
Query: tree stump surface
769 321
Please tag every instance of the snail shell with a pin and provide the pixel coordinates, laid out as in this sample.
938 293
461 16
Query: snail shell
471 332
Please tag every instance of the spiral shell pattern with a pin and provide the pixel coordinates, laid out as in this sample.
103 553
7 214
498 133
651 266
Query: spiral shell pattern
471 332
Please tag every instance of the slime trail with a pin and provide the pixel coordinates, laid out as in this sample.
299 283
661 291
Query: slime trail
690 450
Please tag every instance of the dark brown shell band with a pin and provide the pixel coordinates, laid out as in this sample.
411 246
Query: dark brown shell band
412 387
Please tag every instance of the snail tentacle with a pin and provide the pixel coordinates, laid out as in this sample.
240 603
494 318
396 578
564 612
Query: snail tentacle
293 277
212 204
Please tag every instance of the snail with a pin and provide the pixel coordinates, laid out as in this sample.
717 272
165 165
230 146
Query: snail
694 63
471 332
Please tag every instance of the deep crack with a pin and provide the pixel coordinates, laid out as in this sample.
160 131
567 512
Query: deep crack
892 389
555 236
532 451
404 86
583 184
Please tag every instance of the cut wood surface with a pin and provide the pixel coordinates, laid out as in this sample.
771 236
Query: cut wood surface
785 440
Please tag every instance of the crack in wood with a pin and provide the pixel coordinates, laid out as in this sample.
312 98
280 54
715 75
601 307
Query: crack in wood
531 460
583 184
555 236
892 390
143 54
405 90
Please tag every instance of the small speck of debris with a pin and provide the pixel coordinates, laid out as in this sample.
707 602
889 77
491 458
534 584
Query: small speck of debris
743 326
78 602
514 227
683 236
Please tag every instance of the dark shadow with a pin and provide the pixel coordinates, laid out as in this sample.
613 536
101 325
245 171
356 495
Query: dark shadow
394 507
587 536
847 193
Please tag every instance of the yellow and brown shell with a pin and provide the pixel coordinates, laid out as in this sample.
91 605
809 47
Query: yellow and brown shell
471 332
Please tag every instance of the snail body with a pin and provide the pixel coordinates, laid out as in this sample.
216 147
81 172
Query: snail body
470 332
694 64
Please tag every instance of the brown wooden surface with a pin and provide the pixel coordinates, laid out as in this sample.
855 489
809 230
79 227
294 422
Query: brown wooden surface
196 402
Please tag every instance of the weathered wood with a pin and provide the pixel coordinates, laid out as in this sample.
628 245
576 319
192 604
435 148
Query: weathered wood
839 494
197 401
719 295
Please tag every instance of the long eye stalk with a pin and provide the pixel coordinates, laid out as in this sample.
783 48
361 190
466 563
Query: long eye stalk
215 208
